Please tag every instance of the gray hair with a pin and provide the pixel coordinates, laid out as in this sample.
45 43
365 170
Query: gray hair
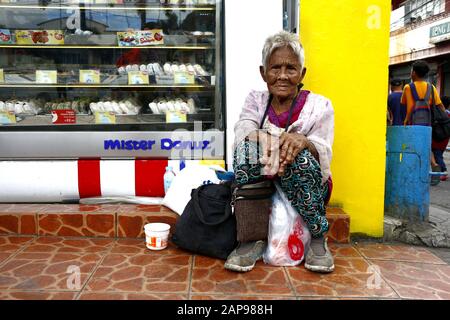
280 40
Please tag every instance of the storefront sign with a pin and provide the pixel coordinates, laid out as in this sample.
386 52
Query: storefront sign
178 144
90 76
63 116
440 32
181 77
40 37
7 117
140 38
175 117
163 144
46 76
105 117
2 76
137 77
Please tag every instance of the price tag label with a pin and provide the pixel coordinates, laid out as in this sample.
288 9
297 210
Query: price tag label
64 116
2 76
105 117
175 117
90 76
7 117
46 76
137 77
181 77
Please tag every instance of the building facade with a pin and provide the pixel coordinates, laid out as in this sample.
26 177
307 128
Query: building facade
420 30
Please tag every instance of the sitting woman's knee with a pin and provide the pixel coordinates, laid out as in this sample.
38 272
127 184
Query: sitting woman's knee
246 152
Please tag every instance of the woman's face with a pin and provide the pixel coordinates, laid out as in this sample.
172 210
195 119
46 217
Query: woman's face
284 73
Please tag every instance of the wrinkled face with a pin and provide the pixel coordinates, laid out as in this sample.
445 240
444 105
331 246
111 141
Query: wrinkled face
284 73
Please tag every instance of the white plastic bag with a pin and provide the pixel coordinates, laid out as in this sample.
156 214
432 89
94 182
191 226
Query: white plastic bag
289 237
182 184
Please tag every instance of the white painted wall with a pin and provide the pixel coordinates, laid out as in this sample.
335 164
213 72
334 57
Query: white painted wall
247 24
397 21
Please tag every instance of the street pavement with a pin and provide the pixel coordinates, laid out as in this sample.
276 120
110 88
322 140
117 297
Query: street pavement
440 194
440 209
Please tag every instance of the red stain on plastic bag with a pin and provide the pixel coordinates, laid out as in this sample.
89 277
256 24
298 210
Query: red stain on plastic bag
295 244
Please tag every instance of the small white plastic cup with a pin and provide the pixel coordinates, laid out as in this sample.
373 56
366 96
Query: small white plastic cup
156 235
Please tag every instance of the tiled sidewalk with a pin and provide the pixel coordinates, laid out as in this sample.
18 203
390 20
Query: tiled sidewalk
36 268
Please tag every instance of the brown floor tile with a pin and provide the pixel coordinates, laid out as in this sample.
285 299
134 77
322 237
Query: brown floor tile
36 295
22 207
142 273
137 246
397 253
81 208
18 223
343 250
130 296
138 208
10 244
46 271
95 223
352 277
414 280
239 297
4 256
60 244
209 276
131 224
345 298
318 298
339 228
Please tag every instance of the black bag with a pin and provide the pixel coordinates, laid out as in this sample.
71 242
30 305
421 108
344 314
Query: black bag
207 225
440 124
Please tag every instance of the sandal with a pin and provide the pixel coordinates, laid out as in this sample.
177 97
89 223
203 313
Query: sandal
435 179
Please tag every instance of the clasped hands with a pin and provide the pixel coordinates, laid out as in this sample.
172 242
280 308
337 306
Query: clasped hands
278 152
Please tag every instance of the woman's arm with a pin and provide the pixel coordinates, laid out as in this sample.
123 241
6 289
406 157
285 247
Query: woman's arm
291 144
319 138
250 117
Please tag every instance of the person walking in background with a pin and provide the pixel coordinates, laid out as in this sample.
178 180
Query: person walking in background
419 85
439 147
418 89
397 111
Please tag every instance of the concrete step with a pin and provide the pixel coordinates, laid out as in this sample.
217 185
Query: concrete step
112 220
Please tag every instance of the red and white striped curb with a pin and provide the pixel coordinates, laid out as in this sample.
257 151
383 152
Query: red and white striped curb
57 181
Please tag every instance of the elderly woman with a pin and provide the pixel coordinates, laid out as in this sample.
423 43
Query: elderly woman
294 130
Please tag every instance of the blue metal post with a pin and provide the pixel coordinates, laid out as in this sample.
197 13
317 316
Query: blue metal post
407 193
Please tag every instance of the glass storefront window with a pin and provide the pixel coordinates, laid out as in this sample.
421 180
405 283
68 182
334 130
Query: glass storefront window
99 65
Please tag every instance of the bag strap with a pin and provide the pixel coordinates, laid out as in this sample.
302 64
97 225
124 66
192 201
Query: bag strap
198 211
269 102
433 107
428 94
412 86
416 95
256 185
291 109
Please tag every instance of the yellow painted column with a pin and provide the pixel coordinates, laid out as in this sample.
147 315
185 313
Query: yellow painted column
346 46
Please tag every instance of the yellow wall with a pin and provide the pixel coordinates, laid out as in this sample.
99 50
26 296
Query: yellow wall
346 46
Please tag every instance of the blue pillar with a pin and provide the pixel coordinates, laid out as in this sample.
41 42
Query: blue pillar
407 192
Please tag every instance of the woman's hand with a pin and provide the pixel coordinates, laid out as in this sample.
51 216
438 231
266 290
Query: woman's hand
270 157
291 144
270 153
